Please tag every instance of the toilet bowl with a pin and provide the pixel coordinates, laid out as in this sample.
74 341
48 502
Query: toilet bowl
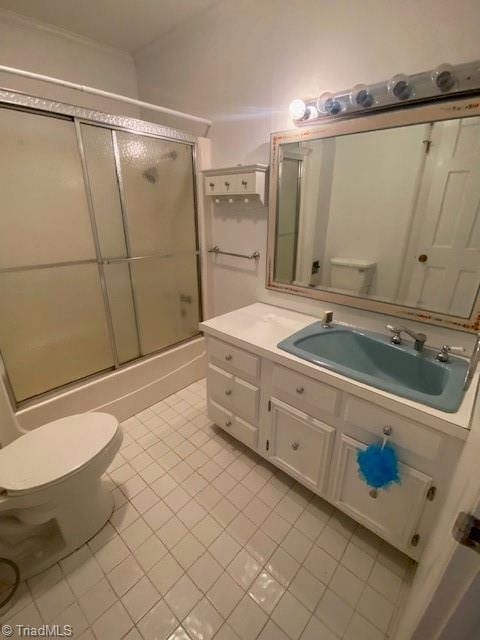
52 497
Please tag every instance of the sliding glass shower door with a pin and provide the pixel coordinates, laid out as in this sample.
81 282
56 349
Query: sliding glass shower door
98 248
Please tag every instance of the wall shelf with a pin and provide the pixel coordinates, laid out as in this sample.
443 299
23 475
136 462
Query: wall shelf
243 183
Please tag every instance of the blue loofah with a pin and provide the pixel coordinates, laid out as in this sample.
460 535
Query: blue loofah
378 465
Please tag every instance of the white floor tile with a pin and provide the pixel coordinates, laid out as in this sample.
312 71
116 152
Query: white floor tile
232 548
113 624
291 616
266 591
205 571
140 599
247 619
307 589
183 596
203 622
375 608
97 600
334 612
158 623
125 575
225 594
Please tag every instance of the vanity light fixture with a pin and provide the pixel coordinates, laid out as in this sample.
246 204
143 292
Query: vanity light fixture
443 81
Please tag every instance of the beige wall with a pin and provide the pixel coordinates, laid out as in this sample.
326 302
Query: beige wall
33 47
241 63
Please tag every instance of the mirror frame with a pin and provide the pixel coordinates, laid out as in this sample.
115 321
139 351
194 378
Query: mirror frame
407 115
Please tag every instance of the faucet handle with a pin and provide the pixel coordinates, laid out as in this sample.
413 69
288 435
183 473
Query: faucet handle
396 338
442 355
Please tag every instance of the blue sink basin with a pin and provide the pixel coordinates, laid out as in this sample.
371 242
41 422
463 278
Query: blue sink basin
371 358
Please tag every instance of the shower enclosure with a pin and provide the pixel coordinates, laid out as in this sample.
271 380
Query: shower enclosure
98 242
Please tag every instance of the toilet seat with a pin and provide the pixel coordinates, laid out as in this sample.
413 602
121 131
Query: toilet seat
54 451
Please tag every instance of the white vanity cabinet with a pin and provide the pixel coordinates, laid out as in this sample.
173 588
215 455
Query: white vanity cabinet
311 424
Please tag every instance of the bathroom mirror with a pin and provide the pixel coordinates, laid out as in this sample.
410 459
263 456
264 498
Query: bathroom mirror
381 212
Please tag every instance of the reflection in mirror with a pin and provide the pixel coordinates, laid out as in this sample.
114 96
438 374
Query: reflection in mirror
391 215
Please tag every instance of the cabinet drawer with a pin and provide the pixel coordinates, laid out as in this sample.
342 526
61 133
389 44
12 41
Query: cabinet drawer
236 395
301 445
233 359
407 434
395 512
303 392
238 428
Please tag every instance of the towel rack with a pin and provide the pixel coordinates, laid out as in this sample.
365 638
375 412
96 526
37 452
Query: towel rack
253 256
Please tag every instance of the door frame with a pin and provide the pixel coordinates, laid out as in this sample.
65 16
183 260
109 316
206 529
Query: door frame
464 495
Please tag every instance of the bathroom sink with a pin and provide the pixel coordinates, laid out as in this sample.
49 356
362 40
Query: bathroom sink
371 358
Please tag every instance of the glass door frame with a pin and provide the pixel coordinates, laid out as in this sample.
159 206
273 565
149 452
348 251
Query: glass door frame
78 116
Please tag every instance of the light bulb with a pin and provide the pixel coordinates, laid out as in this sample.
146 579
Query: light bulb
361 96
399 87
311 112
297 109
443 78
328 104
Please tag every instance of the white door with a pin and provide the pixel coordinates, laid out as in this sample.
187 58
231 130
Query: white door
443 600
443 261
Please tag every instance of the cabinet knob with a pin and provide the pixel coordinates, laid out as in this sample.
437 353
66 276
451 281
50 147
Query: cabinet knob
244 183
211 185
373 493
387 430
228 392
228 423
227 184
300 390
295 445
228 357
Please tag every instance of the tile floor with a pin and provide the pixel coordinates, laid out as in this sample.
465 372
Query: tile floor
208 540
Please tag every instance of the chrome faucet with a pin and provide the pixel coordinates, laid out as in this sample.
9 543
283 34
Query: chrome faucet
472 365
420 338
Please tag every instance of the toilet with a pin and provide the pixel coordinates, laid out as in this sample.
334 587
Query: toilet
351 276
52 496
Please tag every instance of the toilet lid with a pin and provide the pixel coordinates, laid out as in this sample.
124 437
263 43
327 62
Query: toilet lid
55 450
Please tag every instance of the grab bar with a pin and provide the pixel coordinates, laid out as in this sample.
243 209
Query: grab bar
253 256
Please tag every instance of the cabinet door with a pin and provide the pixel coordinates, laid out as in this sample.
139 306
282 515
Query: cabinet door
395 512
300 444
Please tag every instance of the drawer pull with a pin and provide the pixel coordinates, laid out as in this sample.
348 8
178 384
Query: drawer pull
295 445
228 423
228 357
228 392
300 390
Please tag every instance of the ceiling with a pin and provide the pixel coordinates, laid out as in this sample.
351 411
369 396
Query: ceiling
124 24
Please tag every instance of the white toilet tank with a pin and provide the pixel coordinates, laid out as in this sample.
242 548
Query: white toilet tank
351 275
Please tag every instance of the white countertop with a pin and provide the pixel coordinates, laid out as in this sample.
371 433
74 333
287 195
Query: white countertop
260 327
